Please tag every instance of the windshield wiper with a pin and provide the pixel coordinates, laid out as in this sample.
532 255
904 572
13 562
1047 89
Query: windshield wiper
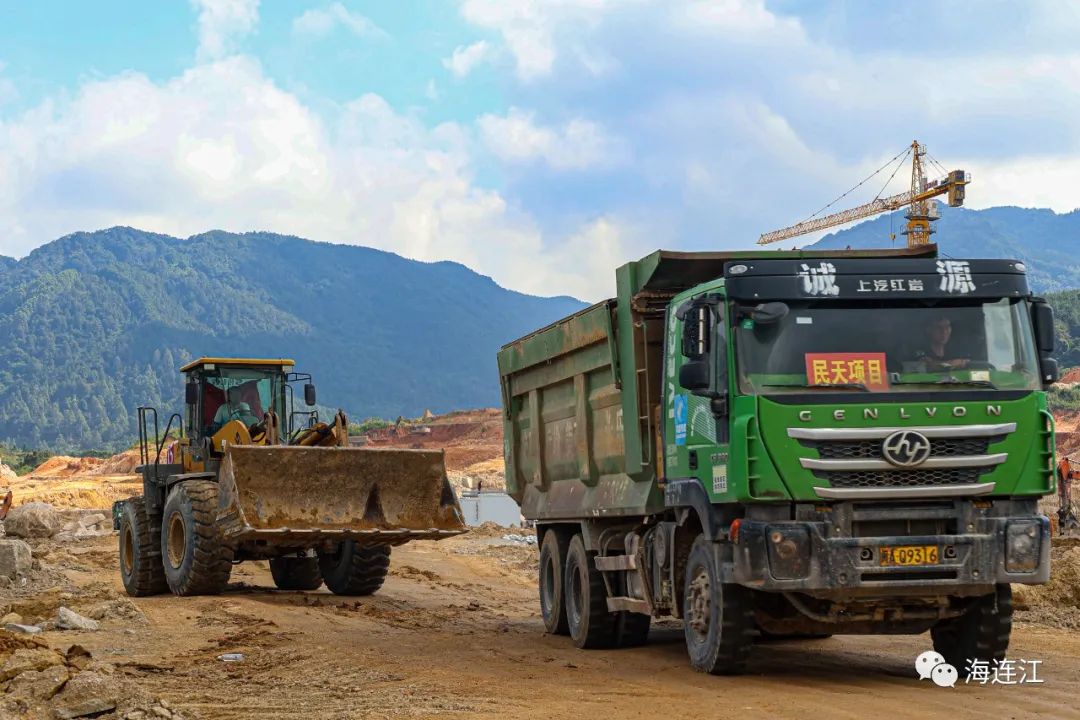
946 381
831 386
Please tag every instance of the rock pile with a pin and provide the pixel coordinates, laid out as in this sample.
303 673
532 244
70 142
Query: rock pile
39 681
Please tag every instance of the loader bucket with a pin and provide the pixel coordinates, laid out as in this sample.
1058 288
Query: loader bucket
289 495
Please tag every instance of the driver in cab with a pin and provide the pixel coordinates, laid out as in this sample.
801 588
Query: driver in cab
935 351
234 408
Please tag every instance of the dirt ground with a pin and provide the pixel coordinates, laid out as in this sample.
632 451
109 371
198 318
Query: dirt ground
455 633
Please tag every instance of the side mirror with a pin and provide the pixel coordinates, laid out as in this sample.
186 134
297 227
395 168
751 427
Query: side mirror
1042 317
309 394
1048 367
694 375
191 393
696 332
769 313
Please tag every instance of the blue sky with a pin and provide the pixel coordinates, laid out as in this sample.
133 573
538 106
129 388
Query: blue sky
541 142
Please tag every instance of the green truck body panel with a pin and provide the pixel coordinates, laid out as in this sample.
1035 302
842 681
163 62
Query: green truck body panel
590 426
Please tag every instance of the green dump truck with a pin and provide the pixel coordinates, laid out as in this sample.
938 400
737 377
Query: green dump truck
788 443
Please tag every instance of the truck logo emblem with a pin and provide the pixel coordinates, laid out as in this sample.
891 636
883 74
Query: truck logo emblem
906 448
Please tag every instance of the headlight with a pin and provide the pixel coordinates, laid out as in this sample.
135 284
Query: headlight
789 551
1023 543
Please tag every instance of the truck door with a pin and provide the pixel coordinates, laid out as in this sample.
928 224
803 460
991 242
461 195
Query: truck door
696 431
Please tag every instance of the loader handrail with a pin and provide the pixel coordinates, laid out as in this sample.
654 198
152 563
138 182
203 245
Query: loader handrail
159 439
144 440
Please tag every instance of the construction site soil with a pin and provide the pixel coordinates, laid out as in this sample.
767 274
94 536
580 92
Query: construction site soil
456 633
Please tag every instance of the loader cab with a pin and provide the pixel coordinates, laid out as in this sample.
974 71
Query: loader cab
220 390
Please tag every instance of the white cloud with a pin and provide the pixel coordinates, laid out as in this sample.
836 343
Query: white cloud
222 23
318 22
466 57
577 145
1041 182
222 146
530 28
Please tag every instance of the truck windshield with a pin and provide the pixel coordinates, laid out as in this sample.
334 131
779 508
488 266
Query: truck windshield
894 347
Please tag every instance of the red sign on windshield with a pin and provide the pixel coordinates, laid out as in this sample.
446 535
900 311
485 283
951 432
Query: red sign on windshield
847 368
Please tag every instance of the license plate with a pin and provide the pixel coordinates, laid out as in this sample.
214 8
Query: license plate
909 555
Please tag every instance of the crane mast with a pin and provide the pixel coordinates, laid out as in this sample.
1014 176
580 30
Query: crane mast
922 210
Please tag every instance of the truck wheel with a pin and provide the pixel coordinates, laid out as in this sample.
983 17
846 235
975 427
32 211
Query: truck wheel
296 573
196 561
718 618
140 552
355 569
981 633
585 598
552 559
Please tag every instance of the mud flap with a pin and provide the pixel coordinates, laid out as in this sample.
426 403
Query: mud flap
305 495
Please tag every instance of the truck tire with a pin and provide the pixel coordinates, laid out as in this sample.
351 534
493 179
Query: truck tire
587 618
552 605
296 573
196 560
355 569
140 552
718 618
981 633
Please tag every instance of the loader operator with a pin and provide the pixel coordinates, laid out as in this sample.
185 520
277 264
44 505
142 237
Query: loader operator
234 408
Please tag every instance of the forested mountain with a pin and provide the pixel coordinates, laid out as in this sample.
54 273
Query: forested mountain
1047 242
95 324
1066 306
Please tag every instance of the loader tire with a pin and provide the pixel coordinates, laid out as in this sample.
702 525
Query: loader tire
550 582
355 569
981 633
140 552
718 617
296 573
587 616
196 559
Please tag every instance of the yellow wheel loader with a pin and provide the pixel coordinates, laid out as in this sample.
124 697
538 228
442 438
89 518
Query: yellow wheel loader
252 477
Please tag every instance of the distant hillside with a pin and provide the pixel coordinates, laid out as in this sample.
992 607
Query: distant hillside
95 324
1048 243
1067 321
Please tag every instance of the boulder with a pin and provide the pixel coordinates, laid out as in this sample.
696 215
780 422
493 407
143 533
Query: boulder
25 660
39 684
68 619
90 520
19 628
88 693
16 558
33 520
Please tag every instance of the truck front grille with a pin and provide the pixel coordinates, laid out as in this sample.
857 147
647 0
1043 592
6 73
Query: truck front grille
901 478
943 447
851 458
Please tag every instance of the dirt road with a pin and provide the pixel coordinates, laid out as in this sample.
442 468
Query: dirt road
455 633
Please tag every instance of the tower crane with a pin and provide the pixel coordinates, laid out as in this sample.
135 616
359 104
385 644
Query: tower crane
922 209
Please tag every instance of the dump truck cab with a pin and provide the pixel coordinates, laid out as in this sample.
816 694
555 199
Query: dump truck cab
788 443
246 472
